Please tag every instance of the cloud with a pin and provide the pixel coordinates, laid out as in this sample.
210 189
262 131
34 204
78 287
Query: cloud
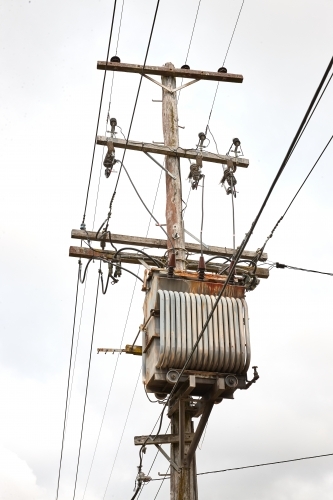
17 480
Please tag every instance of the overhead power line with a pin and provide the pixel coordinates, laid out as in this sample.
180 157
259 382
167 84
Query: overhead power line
120 345
68 383
99 114
256 465
87 385
225 57
134 110
108 115
238 254
278 265
293 199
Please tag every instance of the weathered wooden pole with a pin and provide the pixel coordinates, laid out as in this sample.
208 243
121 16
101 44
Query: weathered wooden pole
174 221
183 484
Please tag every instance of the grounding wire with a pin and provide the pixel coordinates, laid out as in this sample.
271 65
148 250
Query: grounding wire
225 57
134 109
68 382
99 114
259 465
122 434
87 385
124 330
235 259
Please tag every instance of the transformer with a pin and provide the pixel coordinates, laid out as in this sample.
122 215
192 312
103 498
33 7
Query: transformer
175 310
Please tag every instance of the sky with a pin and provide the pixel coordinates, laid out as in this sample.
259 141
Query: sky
50 91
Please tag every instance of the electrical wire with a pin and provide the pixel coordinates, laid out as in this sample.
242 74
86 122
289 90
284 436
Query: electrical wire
68 383
87 385
122 433
189 45
225 57
77 344
293 199
134 110
150 213
202 214
109 392
259 465
278 265
108 116
236 257
99 115
121 341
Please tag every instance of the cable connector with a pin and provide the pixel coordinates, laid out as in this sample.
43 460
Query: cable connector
280 266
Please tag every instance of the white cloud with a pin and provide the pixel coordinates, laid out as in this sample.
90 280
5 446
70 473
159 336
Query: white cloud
17 480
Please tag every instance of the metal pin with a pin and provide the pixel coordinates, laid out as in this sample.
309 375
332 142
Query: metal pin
156 100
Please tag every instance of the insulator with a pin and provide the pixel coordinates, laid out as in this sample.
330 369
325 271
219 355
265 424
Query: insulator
185 66
236 142
201 268
107 172
222 70
109 159
115 59
171 265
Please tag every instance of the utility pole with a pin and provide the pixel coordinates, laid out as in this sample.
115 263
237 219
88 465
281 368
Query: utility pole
173 212
178 300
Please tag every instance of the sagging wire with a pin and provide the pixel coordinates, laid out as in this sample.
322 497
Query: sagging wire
150 213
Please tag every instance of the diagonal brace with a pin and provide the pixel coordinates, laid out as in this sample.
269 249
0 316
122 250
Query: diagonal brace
172 463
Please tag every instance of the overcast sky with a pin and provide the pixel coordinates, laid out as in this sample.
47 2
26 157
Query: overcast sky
50 90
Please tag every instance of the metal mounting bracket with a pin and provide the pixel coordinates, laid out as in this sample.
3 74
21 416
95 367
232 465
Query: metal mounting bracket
172 91
172 463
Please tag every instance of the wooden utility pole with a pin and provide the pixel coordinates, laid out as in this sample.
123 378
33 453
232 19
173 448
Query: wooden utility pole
173 211
183 484
170 329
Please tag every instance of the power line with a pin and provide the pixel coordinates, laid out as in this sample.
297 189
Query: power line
278 265
293 199
68 382
87 384
99 114
225 57
256 465
237 255
121 341
108 114
134 109
122 434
